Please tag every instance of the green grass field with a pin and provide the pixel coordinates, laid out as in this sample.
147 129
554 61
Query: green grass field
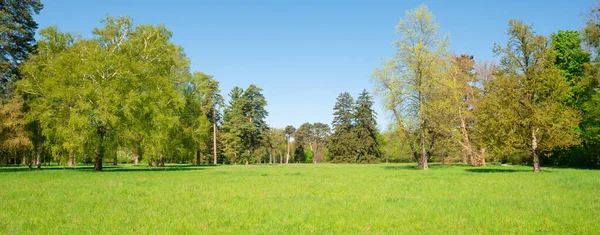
299 199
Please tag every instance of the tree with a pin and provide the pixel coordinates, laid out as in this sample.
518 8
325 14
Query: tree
523 108
366 129
96 89
576 65
16 38
244 126
14 140
344 141
289 131
464 92
409 82
254 111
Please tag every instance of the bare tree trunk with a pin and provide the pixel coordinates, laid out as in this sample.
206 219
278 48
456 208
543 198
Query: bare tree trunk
287 157
248 156
136 155
235 158
115 160
464 156
424 164
482 157
71 157
280 158
197 157
536 160
214 136
315 154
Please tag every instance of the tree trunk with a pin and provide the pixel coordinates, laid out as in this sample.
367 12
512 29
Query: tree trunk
115 161
38 157
482 157
197 157
161 160
464 156
98 157
287 157
280 158
214 136
235 158
536 160
136 155
314 157
424 164
71 158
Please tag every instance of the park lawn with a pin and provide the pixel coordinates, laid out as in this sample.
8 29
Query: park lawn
323 198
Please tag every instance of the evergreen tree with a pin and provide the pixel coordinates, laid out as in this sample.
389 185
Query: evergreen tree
16 38
366 130
343 142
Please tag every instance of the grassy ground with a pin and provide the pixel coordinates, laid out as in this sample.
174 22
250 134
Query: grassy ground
300 199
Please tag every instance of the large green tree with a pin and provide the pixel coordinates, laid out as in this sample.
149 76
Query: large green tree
95 89
576 65
523 109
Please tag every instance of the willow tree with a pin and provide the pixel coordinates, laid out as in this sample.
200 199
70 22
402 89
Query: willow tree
523 109
409 82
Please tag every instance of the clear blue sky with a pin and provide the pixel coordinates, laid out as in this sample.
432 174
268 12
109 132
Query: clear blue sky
304 53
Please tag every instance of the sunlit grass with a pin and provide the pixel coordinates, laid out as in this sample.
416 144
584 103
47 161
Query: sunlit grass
299 199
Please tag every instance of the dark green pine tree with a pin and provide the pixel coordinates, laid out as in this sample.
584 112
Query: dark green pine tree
254 110
16 37
343 141
365 129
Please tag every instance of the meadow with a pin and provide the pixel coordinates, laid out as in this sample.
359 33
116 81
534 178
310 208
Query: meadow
290 199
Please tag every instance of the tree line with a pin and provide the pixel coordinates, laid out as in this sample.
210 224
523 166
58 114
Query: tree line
539 102
127 95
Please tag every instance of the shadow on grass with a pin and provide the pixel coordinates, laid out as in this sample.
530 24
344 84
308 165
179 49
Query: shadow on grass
414 167
496 170
110 168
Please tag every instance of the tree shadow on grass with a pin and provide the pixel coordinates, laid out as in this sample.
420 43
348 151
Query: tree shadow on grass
414 167
496 170
109 168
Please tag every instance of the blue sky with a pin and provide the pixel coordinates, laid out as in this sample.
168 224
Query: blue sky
304 53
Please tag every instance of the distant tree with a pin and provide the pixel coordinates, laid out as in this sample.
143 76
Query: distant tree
17 39
244 125
289 131
313 135
366 129
232 125
343 143
523 108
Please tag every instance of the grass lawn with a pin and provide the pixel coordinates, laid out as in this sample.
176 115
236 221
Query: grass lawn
291 199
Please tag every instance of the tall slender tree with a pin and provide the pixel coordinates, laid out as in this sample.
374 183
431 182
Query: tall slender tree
409 82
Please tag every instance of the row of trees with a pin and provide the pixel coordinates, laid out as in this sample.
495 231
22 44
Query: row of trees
540 99
127 95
